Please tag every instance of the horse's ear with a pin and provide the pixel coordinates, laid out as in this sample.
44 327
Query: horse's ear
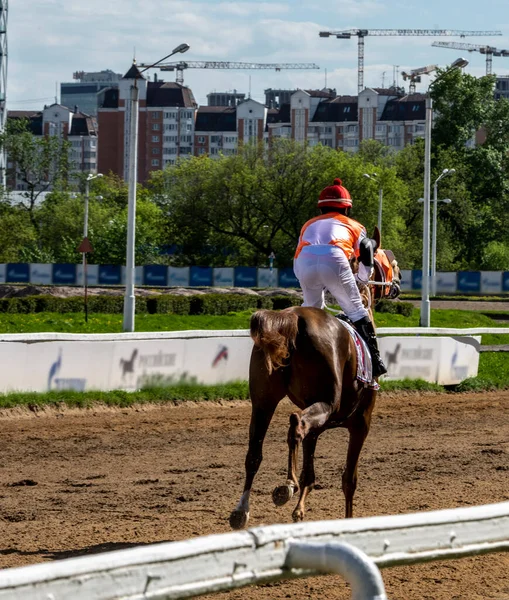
377 236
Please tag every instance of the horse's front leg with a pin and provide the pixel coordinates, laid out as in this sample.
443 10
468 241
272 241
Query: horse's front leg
261 417
358 429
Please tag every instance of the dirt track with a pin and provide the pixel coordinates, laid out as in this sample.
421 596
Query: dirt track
82 482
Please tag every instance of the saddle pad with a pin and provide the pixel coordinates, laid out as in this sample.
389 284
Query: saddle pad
364 367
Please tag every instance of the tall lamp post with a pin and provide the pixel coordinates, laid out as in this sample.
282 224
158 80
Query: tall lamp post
459 63
444 173
85 220
129 299
374 176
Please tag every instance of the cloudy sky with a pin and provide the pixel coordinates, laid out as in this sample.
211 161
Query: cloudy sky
50 39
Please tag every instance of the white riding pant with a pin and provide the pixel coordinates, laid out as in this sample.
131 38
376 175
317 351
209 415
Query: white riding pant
320 267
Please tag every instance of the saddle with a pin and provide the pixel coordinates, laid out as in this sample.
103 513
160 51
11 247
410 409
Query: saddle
364 365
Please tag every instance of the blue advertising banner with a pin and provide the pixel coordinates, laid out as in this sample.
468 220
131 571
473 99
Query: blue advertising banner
505 281
200 276
469 281
64 274
245 277
109 275
17 273
155 275
286 278
416 279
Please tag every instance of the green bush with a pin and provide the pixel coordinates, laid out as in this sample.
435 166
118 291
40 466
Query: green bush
394 307
280 302
206 304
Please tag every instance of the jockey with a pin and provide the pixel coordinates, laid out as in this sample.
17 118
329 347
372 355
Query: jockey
326 245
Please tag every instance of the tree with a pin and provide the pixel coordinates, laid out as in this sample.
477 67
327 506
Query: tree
238 209
40 162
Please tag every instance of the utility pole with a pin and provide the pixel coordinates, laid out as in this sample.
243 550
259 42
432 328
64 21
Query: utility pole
4 5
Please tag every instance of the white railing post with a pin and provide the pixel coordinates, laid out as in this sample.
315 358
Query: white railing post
346 560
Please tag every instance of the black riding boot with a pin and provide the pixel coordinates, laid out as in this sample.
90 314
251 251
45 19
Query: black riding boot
365 327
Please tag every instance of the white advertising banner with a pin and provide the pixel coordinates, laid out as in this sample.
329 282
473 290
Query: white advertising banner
92 274
406 280
267 277
178 276
223 276
446 282
491 282
16 372
41 274
133 364
49 366
2 273
442 360
138 275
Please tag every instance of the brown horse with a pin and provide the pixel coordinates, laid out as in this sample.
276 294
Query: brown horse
308 355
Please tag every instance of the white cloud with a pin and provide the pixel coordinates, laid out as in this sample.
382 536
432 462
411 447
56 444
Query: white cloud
57 37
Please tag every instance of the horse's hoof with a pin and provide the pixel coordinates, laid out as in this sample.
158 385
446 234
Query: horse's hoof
239 519
298 516
282 494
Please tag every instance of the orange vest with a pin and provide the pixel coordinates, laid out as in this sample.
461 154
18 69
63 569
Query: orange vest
385 264
348 233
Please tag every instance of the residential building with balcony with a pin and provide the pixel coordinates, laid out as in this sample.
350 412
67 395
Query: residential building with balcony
166 125
77 128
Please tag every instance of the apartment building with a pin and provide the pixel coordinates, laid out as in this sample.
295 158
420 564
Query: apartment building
83 91
315 117
73 126
166 124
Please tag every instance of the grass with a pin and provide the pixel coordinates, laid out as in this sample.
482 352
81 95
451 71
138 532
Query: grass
120 398
112 323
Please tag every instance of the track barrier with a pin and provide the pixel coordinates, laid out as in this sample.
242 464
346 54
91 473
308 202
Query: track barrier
41 362
354 548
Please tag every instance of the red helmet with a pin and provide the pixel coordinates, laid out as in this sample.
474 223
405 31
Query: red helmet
335 196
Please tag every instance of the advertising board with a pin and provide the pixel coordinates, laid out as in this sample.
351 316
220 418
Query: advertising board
155 275
223 277
109 275
41 274
178 276
200 276
446 282
267 277
469 281
17 273
245 277
64 274
286 278
491 282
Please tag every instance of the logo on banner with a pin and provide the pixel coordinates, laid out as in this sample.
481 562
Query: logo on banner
221 355
62 383
127 365
457 371
391 358
148 369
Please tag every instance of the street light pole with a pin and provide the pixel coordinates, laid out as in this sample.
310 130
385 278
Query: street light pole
129 297
374 176
425 303
85 219
445 172
425 282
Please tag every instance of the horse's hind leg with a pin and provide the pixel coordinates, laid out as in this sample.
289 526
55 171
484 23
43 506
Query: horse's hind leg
313 417
307 477
261 417
358 429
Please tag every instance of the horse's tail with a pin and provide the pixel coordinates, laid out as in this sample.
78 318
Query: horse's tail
275 333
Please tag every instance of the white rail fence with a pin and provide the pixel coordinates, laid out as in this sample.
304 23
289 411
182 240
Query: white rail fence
354 548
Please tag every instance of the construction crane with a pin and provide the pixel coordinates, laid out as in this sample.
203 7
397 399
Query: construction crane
415 76
362 33
179 67
488 50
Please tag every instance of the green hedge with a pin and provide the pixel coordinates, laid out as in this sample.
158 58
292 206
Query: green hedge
395 308
203 304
